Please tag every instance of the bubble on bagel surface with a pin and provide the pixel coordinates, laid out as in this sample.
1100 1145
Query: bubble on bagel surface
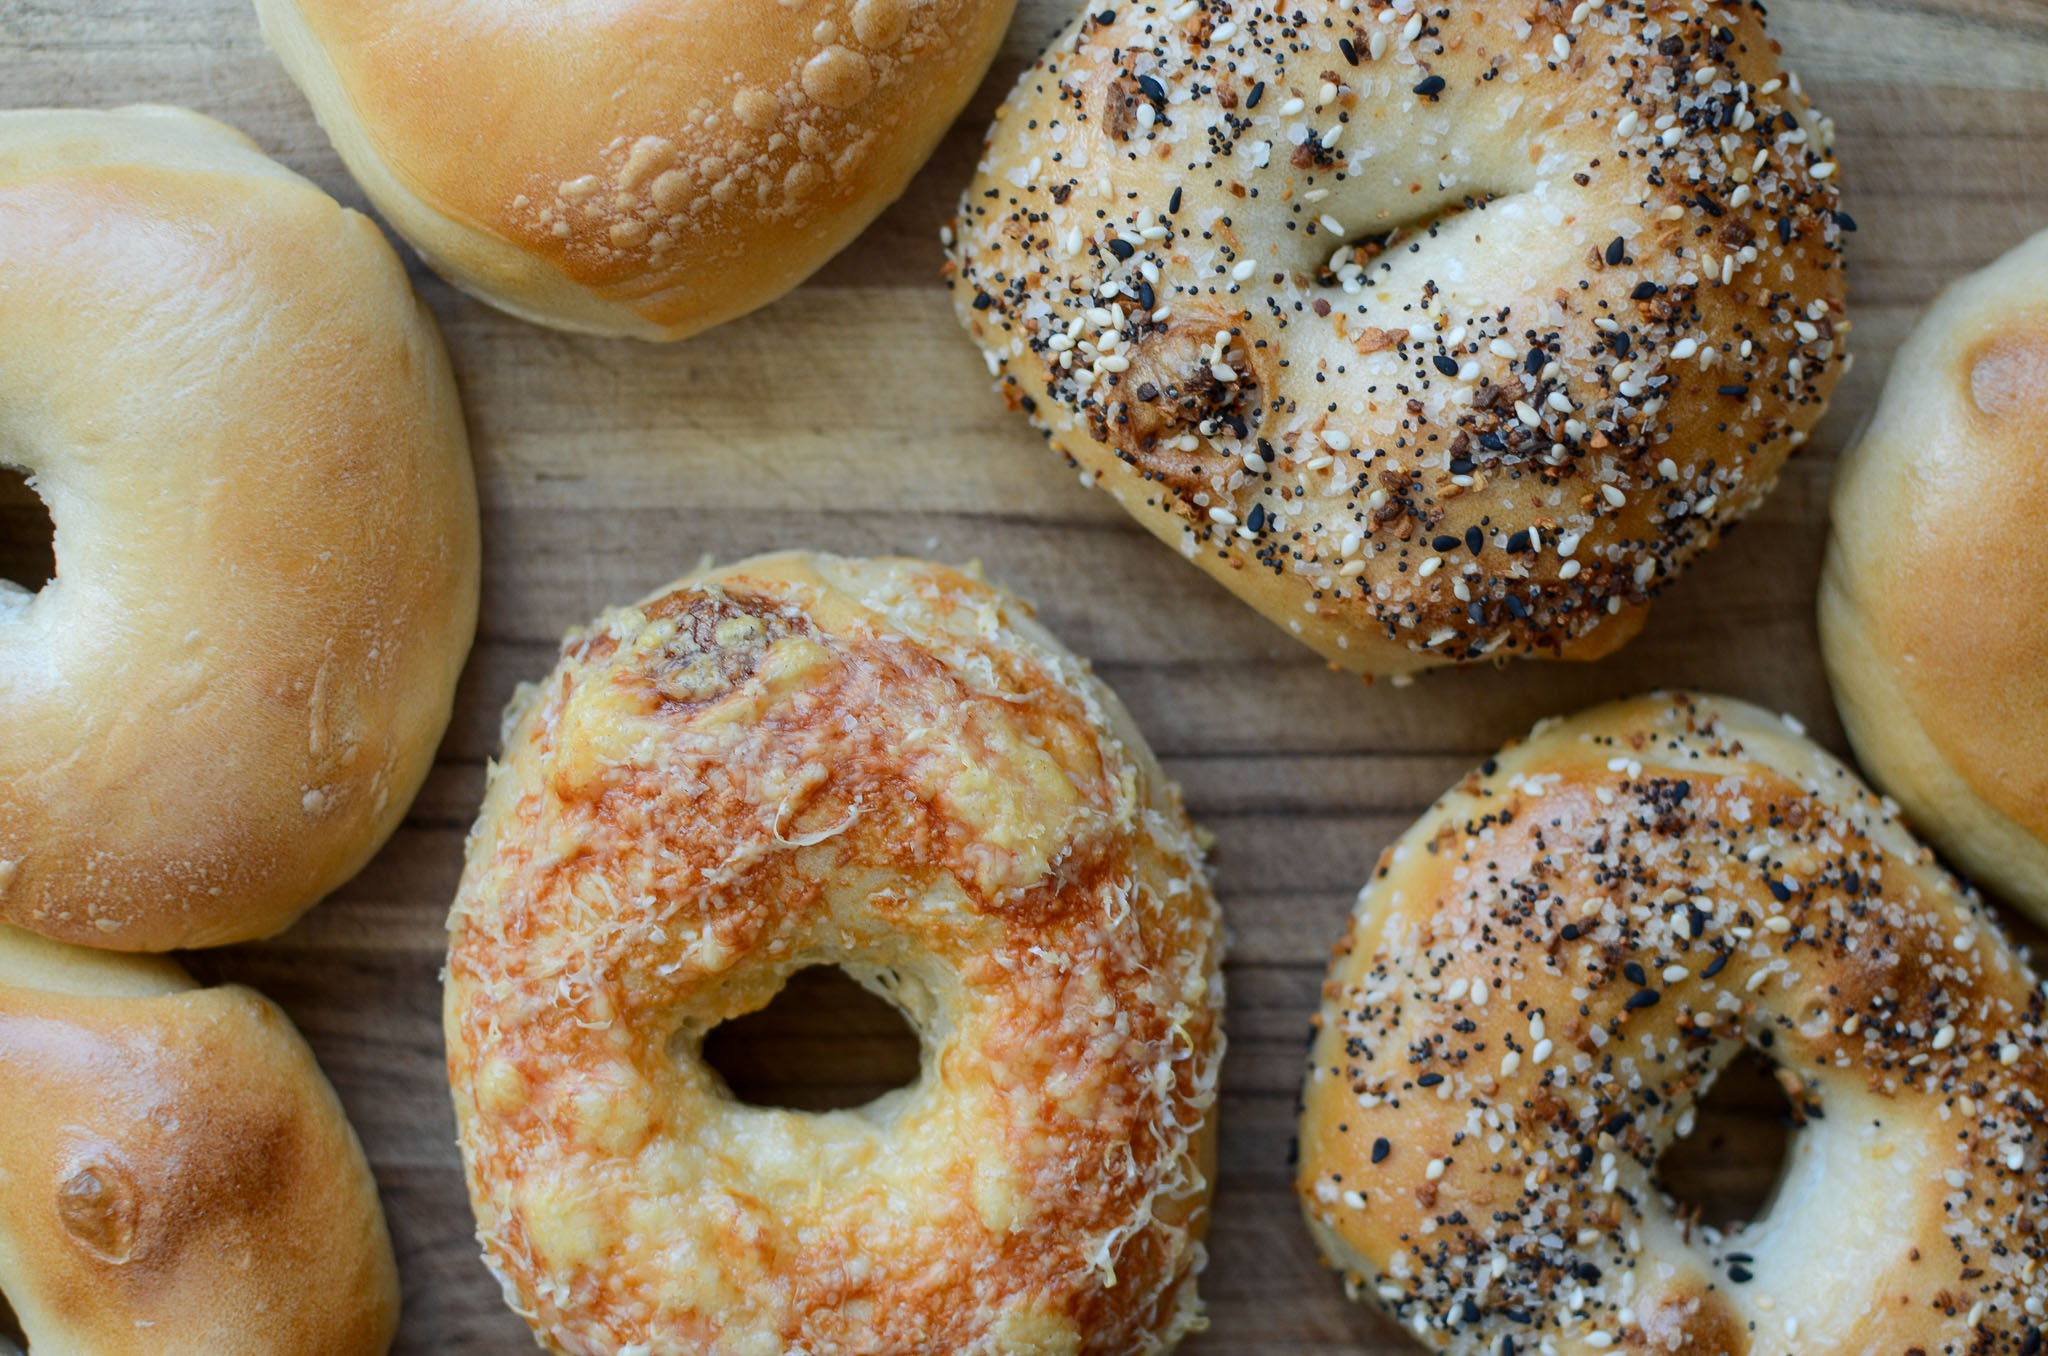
754 145
1459 451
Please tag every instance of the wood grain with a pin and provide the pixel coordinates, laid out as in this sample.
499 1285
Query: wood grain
854 416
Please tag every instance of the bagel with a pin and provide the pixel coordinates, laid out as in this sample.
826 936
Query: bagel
640 168
1545 975
1434 334
885 766
176 1175
246 432
1933 598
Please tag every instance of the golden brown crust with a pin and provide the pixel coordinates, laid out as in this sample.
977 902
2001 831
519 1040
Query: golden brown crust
640 168
1547 972
176 1176
883 765
1611 303
1934 604
246 430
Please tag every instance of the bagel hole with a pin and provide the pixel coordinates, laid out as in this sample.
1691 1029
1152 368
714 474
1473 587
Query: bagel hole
13 1341
824 1043
1389 240
28 538
1724 1174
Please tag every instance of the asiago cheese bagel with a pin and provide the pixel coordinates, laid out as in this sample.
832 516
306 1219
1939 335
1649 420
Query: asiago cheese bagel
885 766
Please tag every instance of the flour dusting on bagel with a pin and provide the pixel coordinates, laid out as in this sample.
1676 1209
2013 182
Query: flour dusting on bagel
1547 972
1436 333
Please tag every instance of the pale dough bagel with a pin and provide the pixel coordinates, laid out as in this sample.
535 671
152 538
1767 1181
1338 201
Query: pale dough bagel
1610 304
176 1175
889 767
1934 602
248 438
641 167
1546 973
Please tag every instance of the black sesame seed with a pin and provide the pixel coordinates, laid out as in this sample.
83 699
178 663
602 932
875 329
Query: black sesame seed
1618 1122
1635 974
1642 998
1460 466
1154 91
1570 932
982 301
1251 100
1475 540
1741 1275
2032 1345
1588 1272
1739 392
1429 1080
1350 52
1256 519
1380 1150
1173 203
1517 606
1779 890
1643 291
1446 364
1698 921
1848 223
1106 17
1147 298
1446 542
1122 249
1617 250
1518 542
1535 362
1430 87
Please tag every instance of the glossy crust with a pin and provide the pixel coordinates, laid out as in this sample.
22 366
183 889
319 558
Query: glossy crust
882 765
1546 973
176 1175
1934 603
246 432
1609 307
645 167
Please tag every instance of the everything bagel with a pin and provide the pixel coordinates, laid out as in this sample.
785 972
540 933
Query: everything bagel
1435 333
1547 972
885 766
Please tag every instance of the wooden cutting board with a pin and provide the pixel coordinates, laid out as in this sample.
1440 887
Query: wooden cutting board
854 416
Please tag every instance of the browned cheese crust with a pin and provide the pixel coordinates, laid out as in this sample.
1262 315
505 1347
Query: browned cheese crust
1547 972
245 428
887 766
1435 333
176 1176
1934 604
647 167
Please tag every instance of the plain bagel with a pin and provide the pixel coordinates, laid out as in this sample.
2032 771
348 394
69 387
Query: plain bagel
245 429
1545 975
1434 333
885 766
176 1175
1934 602
646 168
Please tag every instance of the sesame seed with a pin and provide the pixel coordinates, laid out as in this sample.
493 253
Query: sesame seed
1613 495
1944 1038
